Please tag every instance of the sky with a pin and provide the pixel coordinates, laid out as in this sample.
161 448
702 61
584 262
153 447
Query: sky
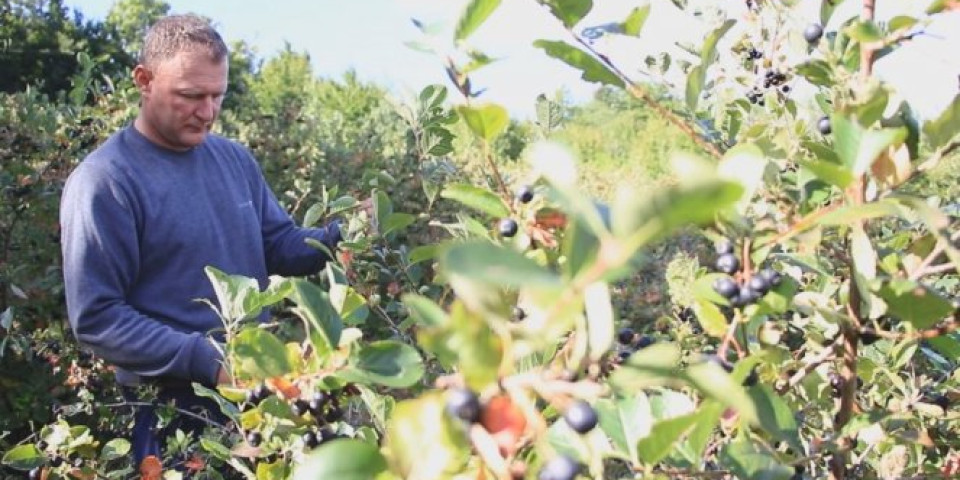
369 36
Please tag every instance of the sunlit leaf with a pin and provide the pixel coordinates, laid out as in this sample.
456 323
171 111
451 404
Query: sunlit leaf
485 121
344 459
477 198
941 130
259 354
638 17
570 12
473 16
386 362
591 68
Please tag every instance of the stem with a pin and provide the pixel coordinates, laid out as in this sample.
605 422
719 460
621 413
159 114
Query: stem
496 173
827 354
182 412
641 93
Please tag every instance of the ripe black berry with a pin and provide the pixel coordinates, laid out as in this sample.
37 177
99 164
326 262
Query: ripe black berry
823 125
869 337
726 287
623 355
728 263
759 284
525 194
56 462
771 276
941 400
581 416
334 414
299 407
560 467
785 89
518 314
42 445
257 394
34 474
812 33
748 295
723 247
751 379
508 227
644 341
625 336
463 404
317 403
254 439
310 439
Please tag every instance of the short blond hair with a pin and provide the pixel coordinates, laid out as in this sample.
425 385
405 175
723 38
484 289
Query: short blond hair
181 33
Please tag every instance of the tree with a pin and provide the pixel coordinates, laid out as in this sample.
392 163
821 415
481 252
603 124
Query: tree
131 18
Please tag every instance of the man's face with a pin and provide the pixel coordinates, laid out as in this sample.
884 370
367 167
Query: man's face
180 98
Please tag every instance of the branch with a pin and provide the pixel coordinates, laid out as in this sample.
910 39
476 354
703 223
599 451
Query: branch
827 354
182 412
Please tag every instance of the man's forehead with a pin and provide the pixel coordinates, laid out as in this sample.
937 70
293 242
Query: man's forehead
186 61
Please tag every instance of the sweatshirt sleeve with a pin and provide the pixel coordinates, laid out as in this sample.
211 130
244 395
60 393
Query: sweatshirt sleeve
101 261
284 243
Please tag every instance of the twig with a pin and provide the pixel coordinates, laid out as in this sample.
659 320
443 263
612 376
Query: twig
178 410
827 354
919 271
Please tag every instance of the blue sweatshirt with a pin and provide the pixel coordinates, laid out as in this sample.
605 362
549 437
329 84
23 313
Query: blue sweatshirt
139 224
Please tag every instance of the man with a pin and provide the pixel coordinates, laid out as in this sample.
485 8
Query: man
160 200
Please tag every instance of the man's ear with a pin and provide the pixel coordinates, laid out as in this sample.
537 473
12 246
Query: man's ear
142 77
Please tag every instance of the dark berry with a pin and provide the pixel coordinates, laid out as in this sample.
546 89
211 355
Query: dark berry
42 445
727 366
751 379
254 439
812 33
753 99
748 295
941 400
334 414
325 435
310 439
525 194
560 467
34 474
518 314
785 89
771 276
623 355
836 383
56 462
761 102
299 408
644 341
823 125
728 263
508 227
758 283
723 247
726 287
869 337
581 416
625 336
463 404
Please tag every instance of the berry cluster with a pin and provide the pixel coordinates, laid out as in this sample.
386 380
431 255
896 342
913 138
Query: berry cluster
580 416
323 407
631 342
747 292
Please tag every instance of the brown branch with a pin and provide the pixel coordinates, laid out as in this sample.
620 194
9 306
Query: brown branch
804 223
827 354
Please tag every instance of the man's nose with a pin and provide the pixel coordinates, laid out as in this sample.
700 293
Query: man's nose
207 109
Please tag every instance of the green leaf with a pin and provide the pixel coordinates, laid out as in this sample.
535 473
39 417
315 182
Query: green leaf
579 247
711 380
712 320
23 457
831 173
817 72
915 303
277 470
745 460
396 222
708 54
461 339
826 10
940 131
485 121
419 424
638 17
227 407
343 459
746 164
477 198
946 345
937 6
709 414
425 311
549 113
858 147
259 354
776 417
215 448
422 253
625 421
593 70
695 81
600 320
655 365
322 321
901 22
386 362
864 32
114 449
855 213
350 305
484 262
475 14
570 12
663 436
232 292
